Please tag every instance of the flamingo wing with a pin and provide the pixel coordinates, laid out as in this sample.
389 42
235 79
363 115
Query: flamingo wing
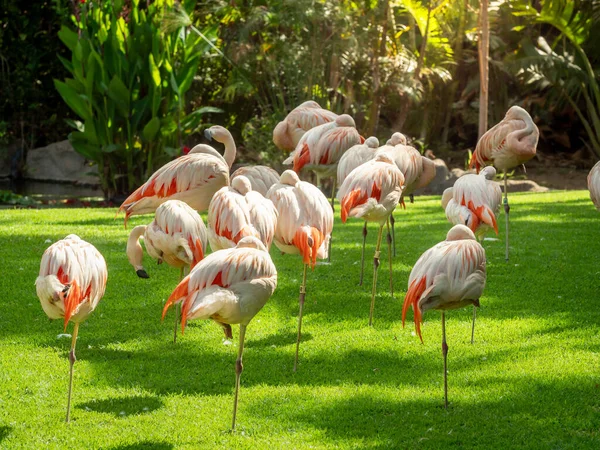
493 141
228 219
261 177
333 143
210 289
449 275
78 270
593 181
175 180
472 191
263 216
352 158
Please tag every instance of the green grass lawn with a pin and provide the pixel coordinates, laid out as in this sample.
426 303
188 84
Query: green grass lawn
531 380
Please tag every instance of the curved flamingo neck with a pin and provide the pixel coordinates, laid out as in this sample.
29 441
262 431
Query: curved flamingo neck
230 150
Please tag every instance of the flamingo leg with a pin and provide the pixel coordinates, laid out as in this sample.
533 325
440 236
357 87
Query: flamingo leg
239 367
473 326
362 257
506 211
392 222
72 360
445 354
389 242
375 267
333 209
301 301
178 308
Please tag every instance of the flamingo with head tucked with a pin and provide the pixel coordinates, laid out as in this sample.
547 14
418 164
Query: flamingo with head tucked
304 227
236 212
449 275
177 236
593 181
261 177
71 282
228 286
371 192
290 130
474 201
417 169
506 145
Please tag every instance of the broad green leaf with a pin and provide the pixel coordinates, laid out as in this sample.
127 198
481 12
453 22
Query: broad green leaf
73 100
84 148
154 72
186 75
151 129
118 92
68 37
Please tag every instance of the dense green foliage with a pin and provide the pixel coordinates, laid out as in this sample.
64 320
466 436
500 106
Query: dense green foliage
130 71
529 381
408 65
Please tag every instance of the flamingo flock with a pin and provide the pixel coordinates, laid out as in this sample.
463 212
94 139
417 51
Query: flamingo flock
255 207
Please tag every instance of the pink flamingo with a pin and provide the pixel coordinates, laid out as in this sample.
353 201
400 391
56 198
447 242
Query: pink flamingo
229 286
506 145
192 178
417 169
290 130
236 212
371 192
474 201
449 275
593 181
70 284
177 235
304 227
261 177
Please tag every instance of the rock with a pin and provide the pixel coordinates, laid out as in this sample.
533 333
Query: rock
9 160
443 179
59 162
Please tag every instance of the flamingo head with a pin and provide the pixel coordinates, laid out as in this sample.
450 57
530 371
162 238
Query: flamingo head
372 142
311 104
398 139
489 172
281 138
241 184
345 121
290 178
251 242
217 133
459 233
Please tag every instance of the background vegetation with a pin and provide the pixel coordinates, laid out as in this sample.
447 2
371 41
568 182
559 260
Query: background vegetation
407 65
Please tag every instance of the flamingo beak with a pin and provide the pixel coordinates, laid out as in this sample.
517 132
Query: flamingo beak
208 134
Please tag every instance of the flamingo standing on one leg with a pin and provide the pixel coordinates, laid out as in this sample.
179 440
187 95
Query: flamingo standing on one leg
236 212
192 178
350 160
371 192
304 227
261 177
229 286
290 130
449 275
506 145
474 201
70 284
177 235
593 181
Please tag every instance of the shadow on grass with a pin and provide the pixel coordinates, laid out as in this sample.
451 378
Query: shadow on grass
4 432
144 445
282 338
123 406
530 414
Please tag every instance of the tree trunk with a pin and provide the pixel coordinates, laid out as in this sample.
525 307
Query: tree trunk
484 50
458 51
378 51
